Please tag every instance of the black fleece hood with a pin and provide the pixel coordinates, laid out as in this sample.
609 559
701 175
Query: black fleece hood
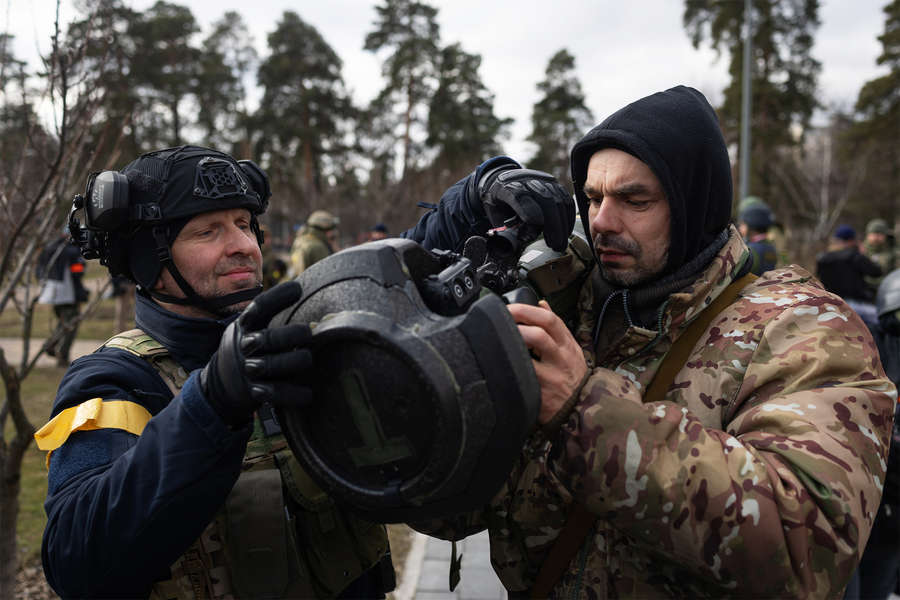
676 133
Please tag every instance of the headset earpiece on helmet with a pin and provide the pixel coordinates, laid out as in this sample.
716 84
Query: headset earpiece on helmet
106 201
106 210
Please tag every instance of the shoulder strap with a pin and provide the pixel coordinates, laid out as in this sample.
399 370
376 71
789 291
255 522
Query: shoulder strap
142 344
581 520
578 524
681 348
137 342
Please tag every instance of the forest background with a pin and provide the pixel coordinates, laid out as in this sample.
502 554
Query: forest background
100 81
402 111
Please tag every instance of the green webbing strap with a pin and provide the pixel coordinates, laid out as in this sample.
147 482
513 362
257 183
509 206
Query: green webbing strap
578 524
678 354
580 520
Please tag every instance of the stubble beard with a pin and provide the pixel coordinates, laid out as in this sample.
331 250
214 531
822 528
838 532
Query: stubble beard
631 276
216 292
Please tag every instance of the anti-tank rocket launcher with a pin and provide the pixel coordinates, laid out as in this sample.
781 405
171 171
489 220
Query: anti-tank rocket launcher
424 391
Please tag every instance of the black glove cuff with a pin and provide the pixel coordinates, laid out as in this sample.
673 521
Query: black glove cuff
488 177
477 183
213 392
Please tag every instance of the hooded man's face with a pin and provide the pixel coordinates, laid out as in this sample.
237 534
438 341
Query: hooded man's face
629 217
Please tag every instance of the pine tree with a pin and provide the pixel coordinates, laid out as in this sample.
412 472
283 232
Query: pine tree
559 118
16 111
226 58
408 29
305 110
873 137
102 49
462 126
783 71
164 69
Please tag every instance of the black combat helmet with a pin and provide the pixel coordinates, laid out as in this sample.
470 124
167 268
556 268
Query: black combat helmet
132 217
887 300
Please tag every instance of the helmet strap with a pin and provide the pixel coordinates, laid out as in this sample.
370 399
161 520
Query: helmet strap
192 298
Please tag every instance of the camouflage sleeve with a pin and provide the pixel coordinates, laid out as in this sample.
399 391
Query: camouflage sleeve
779 502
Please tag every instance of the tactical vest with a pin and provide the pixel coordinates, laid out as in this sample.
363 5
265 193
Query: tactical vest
278 535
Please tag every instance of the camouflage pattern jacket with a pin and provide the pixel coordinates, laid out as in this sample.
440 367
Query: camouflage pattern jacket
309 248
759 475
886 256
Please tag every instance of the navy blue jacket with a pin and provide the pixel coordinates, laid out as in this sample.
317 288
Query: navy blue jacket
122 508
459 215
764 256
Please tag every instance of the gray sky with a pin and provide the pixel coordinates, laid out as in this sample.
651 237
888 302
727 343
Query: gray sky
623 50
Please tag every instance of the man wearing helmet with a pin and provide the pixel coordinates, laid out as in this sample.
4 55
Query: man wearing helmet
879 246
754 222
168 474
879 567
317 240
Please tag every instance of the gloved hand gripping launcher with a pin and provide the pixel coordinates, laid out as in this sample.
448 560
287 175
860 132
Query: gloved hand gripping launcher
424 391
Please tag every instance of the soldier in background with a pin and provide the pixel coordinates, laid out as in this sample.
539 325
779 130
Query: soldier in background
843 269
754 223
879 246
775 235
877 574
315 241
274 267
61 269
379 232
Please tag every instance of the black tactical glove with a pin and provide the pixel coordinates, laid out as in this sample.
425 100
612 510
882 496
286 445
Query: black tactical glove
535 198
256 364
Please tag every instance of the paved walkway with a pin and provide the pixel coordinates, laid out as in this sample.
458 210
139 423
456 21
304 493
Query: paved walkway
427 571
12 349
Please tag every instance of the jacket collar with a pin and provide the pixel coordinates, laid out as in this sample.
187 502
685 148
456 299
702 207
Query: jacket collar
191 341
618 331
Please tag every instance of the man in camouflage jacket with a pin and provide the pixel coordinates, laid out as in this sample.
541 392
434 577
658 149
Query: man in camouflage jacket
760 472
315 242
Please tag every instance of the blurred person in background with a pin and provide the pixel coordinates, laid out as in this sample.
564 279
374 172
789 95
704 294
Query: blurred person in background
877 574
754 223
61 269
315 241
843 270
879 246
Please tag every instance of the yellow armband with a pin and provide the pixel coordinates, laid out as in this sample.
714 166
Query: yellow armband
89 415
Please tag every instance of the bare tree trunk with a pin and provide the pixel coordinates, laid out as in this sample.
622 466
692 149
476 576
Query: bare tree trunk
32 211
176 123
11 456
407 127
9 515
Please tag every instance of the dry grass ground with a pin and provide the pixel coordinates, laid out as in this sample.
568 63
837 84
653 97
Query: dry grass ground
37 395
